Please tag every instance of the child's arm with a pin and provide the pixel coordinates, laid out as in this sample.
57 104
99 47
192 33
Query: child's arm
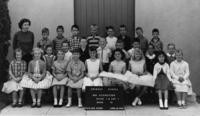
109 53
145 69
30 75
129 66
86 69
124 69
69 72
174 76
82 72
187 72
110 68
53 70
168 72
155 73
44 71
100 67
11 74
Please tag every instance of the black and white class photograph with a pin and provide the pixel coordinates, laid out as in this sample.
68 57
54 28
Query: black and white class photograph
99 58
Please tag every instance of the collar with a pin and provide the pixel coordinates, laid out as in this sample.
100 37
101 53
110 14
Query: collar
150 56
60 37
169 55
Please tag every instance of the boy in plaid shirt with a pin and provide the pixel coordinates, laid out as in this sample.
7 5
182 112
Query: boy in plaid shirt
74 42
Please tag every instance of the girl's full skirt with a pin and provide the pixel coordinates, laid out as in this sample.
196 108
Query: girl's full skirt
43 84
77 85
11 86
163 83
89 82
60 82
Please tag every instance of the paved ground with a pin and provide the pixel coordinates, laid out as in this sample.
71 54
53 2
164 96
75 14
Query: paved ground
146 110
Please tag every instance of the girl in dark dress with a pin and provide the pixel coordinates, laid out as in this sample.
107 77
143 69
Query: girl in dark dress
162 77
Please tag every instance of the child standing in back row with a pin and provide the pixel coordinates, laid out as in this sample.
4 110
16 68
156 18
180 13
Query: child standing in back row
155 41
57 42
45 41
111 39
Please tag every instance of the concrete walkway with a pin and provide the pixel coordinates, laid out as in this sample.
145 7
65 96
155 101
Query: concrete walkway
145 110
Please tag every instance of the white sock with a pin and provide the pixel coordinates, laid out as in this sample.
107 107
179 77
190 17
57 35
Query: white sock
179 102
166 103
34 100
60 101
38 101
55 101
80 102
183 102
69 102
135 101
161 103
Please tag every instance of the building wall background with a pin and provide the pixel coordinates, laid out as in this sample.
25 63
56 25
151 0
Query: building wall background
178 21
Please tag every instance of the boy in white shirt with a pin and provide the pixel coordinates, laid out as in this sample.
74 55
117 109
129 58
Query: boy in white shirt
104 53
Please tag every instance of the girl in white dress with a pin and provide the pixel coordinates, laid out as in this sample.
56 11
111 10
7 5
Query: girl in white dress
137 66
93 68
118 66
17 69
180 78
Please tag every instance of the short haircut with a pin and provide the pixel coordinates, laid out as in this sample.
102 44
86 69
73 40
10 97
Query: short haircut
45 30
120 41
179 51
60 51
60 27
155 30
75 26
151 45
136 40
49 46
119 50
18 50
93 25
92 49
122 26
109 27
139 28
22 21
171 44
65 41
83 38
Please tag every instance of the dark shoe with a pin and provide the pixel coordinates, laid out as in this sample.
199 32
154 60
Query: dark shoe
166 108
39 105
14 105
55 105
20 104
162 108
33 105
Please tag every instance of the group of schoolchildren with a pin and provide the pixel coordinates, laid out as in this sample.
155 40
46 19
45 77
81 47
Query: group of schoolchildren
76 62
